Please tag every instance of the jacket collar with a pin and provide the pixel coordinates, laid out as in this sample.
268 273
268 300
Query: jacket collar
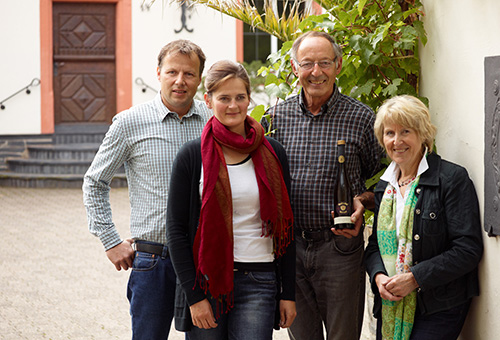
431 176
428 178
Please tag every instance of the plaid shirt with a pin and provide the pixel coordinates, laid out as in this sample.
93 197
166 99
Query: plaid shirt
311 145
145 139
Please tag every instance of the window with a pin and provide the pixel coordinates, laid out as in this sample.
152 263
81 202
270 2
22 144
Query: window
257 45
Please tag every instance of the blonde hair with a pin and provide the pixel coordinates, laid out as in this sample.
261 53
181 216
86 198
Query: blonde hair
409 112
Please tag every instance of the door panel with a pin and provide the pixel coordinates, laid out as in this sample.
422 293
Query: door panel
84 63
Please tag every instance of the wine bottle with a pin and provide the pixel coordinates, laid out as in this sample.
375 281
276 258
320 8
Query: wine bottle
343 193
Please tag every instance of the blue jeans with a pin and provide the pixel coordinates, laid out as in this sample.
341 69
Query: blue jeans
252 316
330 288
445 325
151 292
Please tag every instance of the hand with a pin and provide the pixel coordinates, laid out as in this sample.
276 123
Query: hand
202 315
356 218
401 284
381 281
122 255
287 313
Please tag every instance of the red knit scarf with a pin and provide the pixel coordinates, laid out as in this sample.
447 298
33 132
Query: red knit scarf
213 244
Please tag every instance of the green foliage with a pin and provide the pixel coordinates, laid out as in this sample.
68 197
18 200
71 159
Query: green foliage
380 40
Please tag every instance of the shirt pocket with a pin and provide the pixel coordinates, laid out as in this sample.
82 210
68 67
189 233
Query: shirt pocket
433 221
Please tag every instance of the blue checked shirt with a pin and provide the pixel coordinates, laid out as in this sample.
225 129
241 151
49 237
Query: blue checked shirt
311 145
145 139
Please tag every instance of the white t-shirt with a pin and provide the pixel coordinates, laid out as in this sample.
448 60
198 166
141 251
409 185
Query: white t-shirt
249 244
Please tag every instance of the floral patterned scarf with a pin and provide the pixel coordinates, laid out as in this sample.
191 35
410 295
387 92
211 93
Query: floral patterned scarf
397 255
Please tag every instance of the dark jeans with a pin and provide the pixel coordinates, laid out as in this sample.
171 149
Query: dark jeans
445 325
252 316
330 289
151 292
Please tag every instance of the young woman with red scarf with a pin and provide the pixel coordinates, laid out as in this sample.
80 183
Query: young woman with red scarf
230 223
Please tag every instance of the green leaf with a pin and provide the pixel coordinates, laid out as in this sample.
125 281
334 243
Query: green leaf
354 42
285 90
392 89
380 34
371 182
271 79
258 112
287 46
419 27
364 89
361 5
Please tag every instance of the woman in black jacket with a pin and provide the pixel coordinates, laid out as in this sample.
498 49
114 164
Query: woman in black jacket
230 224
423 254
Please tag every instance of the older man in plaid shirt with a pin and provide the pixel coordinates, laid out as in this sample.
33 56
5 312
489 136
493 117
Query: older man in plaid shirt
330 271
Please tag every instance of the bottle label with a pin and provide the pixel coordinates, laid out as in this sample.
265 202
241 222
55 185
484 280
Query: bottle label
341 159
342 214
342 220
343 209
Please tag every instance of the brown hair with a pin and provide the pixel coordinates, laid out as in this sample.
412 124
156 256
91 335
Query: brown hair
222 71
185 47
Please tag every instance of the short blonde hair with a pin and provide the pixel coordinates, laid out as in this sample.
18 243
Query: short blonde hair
407 111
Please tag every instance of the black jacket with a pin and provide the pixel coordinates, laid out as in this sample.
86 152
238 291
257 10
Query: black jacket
184 205
447 238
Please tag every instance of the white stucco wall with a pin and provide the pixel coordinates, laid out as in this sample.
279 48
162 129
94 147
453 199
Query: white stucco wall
19 64
461 34
151 30
154 28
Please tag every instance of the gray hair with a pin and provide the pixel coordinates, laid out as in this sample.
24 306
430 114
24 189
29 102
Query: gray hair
296 44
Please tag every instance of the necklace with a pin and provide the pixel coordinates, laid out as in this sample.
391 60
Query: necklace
408 181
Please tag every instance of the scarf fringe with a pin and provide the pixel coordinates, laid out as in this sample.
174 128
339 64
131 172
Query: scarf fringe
282 234
223 303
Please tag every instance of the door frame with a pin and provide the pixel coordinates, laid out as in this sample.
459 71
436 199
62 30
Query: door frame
123 58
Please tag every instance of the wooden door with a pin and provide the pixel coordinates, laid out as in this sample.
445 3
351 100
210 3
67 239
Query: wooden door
84 63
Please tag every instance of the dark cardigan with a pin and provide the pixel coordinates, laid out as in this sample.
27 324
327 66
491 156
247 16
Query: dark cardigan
184 205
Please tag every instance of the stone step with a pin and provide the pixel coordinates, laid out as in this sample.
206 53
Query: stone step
27 180
78 133
84 151
78 138
58 160
49 166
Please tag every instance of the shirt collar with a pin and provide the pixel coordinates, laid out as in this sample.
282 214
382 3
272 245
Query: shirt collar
326 106
163 111
391 174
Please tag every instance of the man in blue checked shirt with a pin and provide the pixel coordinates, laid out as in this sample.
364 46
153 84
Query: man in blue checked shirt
330 273
145 139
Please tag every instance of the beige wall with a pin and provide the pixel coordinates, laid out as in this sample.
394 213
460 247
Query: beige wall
461 34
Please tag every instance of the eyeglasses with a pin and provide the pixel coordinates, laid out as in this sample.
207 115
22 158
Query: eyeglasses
308 65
